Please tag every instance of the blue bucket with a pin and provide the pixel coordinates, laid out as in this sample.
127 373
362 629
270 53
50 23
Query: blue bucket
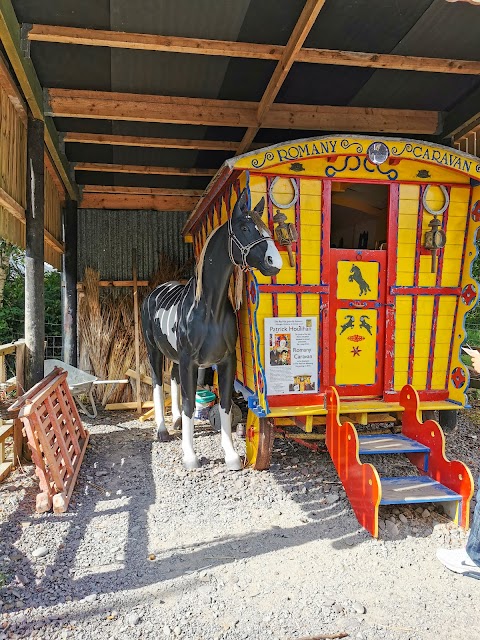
204 400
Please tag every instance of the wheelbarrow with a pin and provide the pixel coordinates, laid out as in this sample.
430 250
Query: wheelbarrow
80 383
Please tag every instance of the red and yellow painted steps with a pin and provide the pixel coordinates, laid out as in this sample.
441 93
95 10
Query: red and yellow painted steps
441 480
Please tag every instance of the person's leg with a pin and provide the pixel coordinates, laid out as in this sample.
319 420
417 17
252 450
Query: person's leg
466 560
473 544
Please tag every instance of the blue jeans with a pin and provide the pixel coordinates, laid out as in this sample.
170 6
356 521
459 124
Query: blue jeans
473 545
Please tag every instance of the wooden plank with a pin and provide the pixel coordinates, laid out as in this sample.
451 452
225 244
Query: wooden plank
5 349
19 212
12 205
53 242
154 191
136 322
147 108
144 378
201 46
116 283
143 169
137 202
52 170
19 442
158 143
10 88
297 38
122 406
5 468
30 85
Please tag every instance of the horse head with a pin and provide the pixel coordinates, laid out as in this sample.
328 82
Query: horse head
250 242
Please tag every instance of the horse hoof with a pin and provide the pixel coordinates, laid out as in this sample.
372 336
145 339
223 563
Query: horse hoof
177 425
234 465
191 464
163 435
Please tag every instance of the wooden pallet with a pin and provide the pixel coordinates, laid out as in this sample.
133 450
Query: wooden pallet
56 437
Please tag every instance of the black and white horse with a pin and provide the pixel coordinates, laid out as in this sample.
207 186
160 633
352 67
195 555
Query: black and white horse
194 325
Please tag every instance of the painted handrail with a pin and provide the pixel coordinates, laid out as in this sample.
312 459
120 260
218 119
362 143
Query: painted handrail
360 480
451 473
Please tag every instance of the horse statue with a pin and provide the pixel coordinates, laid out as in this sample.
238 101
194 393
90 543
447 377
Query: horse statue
195 326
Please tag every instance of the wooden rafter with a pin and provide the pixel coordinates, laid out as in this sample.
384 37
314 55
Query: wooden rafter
137 201
143 169
150 108
155 191
32 90
201 46
300 32
50 167
159 143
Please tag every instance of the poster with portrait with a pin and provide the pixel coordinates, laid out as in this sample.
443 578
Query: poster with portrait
291 355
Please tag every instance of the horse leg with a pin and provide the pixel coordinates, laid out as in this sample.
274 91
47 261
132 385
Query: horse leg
188 384
156 362
175 396
226 373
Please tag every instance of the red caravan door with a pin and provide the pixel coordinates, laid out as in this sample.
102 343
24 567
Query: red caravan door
357 321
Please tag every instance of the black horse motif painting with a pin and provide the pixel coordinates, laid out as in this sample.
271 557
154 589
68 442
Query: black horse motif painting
194 325
356 275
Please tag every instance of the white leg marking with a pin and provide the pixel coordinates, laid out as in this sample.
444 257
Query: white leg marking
232 459
175 395
190 460
159 405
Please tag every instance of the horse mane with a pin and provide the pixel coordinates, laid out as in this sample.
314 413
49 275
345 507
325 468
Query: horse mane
200 264
259 222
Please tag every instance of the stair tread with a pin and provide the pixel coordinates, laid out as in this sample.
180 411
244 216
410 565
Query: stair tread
389 443
413 489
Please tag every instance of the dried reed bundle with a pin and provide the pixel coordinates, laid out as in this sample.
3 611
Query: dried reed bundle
168 270
107 331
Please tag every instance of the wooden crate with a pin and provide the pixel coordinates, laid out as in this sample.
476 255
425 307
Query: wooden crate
56 437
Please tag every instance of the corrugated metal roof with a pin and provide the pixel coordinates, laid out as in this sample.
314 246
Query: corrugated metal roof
106 240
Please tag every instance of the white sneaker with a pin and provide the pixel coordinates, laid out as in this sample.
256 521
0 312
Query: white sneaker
459 561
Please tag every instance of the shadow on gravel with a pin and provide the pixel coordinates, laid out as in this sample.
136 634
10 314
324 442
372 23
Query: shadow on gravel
88 563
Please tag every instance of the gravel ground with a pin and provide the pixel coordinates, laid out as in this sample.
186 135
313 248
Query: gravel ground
147 550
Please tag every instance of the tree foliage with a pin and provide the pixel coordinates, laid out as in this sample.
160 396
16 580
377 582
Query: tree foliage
12 310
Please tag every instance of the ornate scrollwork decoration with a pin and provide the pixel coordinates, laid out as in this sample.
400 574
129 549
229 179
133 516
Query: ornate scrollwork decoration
266 158
397 152
392 174
345 144
331 170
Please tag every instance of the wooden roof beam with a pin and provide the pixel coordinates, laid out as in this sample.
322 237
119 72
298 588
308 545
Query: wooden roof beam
32 90
157 143
297 38
143 169
200 46
137 201
105 188
150 108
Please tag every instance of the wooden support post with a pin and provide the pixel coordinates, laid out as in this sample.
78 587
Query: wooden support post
69 284
137 331
34 255
20 447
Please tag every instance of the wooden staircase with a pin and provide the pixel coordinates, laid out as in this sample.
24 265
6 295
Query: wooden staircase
447 482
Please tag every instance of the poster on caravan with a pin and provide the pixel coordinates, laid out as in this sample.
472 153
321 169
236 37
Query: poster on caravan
291 355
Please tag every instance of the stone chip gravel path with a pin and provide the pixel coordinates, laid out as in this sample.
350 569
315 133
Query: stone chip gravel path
148 550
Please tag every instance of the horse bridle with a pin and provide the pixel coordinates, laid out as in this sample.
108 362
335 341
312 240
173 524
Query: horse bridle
244 249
